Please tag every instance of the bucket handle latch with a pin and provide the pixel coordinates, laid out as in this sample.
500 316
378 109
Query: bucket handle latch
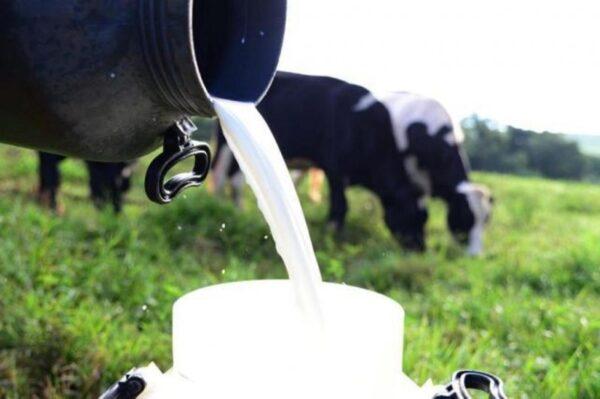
178 146
130 387
464 380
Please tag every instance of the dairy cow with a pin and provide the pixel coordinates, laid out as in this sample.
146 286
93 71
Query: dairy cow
108 181
402 147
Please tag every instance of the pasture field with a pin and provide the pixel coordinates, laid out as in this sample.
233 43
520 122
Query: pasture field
86 296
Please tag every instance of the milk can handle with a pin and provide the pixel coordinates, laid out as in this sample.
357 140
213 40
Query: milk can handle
178 146
464 380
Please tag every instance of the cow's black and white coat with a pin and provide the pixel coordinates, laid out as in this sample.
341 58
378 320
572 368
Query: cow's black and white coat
434 161
402 147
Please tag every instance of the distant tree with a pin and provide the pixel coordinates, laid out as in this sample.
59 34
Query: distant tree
518 151
592 169
549 154
556 157
489 149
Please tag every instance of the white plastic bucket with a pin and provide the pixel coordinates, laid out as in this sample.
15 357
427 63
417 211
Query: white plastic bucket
251 340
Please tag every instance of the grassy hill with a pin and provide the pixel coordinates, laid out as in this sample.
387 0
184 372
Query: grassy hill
86 296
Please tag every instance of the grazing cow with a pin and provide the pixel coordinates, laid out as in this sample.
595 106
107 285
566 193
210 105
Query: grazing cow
402 148
108 181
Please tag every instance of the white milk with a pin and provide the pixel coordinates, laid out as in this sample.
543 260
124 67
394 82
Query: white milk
259 157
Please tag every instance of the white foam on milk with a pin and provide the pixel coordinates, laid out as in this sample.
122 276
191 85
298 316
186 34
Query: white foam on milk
259 157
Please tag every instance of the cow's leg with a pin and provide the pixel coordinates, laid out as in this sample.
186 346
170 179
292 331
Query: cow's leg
238 181
405 216
221 168
118 184
108 183
338 202
98 183
49 183
126 174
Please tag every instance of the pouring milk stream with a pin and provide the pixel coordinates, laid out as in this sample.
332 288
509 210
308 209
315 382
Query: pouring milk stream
325 357
262 163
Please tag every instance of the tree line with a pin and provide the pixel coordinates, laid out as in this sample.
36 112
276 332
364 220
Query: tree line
507 149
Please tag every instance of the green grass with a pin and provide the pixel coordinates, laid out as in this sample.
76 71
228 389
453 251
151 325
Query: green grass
86 296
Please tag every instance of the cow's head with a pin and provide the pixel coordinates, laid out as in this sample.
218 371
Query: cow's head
469 205
469 210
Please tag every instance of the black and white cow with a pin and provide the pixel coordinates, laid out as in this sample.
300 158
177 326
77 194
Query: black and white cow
108 181
401 147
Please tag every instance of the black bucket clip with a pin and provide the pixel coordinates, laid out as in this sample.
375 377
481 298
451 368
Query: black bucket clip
464 380
130 387
178 146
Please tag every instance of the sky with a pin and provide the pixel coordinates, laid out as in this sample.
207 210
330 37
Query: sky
534 64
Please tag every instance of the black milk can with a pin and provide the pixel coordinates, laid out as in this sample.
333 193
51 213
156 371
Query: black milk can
105 79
